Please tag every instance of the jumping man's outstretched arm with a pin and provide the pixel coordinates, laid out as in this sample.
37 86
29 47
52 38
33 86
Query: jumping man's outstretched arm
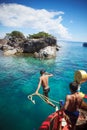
49 74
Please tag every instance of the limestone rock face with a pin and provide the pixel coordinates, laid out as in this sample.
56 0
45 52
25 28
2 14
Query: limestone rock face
3 42
45 47
47 52
7 47
10 52
34 45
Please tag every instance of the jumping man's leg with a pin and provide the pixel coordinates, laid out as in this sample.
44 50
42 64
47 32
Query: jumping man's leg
47 100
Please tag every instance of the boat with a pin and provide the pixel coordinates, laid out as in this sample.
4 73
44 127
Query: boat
56 121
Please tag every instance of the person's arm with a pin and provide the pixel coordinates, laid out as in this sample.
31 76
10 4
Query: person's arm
85 80
66 103
64 107
39 85
49 74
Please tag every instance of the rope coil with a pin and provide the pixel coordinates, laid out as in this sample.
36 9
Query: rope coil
43 97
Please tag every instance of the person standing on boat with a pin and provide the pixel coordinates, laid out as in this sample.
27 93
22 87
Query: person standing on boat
43 81
72 104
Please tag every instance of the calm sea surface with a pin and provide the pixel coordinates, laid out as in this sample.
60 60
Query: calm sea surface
19 77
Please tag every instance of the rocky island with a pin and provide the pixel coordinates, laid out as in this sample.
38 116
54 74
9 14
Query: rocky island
40 45
85 44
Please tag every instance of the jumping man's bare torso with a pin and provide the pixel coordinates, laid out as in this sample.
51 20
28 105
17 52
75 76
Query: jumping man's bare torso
44 81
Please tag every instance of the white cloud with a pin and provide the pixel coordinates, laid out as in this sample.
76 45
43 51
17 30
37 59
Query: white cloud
2 35
15 15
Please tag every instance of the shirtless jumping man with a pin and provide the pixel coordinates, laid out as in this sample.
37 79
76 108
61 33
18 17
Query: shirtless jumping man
44 83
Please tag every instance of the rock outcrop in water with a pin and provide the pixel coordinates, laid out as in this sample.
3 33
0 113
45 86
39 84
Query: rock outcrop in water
41 48
85 44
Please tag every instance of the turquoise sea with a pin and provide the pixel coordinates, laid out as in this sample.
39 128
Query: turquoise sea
19 77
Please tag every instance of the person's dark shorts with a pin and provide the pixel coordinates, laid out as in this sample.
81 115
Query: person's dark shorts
46 91
73 116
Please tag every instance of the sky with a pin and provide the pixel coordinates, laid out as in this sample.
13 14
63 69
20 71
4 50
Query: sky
64 19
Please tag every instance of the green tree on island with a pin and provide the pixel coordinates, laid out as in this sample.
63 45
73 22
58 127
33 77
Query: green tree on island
39 35
20 35
15 34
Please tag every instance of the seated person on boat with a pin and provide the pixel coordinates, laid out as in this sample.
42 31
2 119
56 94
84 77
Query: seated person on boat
72 104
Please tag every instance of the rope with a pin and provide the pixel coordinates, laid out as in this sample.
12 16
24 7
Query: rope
50 99
43 97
